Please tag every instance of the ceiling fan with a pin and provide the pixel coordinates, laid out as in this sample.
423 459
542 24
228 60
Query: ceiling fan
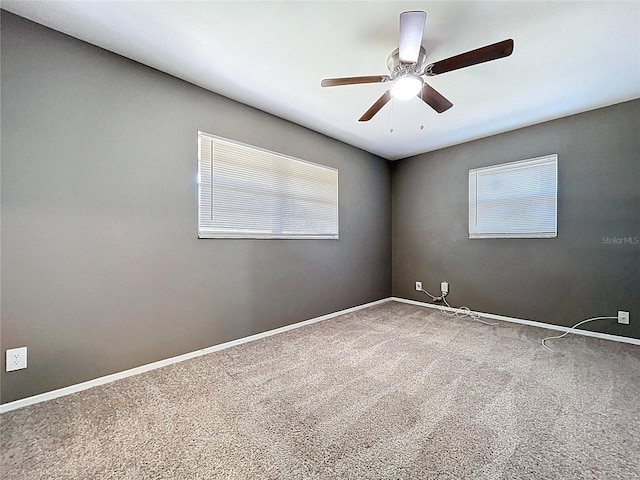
406 65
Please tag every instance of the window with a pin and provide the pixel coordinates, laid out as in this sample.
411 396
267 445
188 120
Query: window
248 192
514 200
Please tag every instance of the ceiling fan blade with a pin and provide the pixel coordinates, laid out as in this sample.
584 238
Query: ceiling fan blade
434 99
375 108
410 41
473 57
336 82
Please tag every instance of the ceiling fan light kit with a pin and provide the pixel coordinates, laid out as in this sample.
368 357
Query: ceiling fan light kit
406 67
406 87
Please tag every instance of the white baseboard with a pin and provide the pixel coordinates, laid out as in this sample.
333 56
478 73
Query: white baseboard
548 326
6 407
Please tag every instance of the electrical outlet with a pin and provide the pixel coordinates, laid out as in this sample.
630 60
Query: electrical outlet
444 287
419 286
623 317
16 358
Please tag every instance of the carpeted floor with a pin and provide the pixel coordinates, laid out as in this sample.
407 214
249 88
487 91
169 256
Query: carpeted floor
394 391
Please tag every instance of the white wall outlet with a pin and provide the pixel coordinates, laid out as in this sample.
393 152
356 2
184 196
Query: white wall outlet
418 286
623 317
16 358
444 287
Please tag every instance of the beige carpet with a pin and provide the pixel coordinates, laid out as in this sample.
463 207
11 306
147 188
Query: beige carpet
391 392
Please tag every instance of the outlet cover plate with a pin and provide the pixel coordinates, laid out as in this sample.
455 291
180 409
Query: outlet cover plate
16 358
418 286
623 317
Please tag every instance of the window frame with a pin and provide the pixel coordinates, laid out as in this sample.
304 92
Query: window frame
479 231
208 232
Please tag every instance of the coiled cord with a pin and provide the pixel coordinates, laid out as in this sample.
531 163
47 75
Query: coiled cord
460 312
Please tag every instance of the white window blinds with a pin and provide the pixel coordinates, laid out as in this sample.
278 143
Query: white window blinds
514 200
247 192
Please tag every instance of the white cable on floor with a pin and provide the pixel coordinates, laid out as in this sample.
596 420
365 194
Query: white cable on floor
460 312
572 328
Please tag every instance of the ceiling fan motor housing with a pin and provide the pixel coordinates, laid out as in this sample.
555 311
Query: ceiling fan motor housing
398 69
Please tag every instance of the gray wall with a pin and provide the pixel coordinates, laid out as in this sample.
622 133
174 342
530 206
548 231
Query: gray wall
102 271
101 266
560 281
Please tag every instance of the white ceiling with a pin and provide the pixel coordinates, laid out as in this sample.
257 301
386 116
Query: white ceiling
569 57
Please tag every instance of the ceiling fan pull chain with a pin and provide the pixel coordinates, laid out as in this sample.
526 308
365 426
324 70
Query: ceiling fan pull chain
422 106
392 106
